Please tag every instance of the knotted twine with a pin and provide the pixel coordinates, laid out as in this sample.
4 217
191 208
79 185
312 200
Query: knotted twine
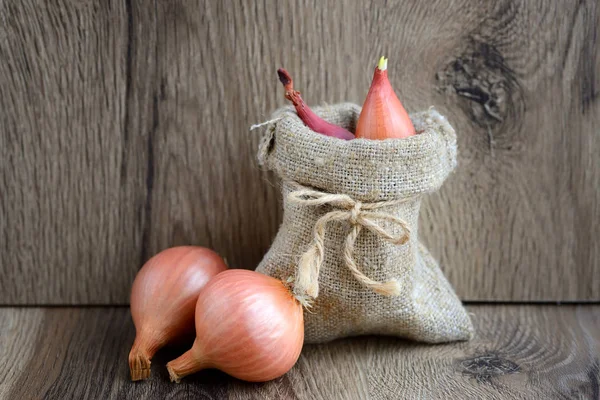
360 215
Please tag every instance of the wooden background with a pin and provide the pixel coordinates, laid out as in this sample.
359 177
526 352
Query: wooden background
124 130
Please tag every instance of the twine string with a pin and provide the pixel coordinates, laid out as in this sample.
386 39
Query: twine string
360 215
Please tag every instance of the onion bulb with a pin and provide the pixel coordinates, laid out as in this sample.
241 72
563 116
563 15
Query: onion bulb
163 299
248 325
382 115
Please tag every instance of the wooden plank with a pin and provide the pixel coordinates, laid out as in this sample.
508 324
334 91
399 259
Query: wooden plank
125 131
71 192
520 352
520 85
18 328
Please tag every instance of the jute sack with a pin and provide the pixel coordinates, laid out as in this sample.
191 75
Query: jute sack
348 244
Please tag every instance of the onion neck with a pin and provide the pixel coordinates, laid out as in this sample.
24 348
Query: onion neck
379 77
380 85
143 349
187 364
304 112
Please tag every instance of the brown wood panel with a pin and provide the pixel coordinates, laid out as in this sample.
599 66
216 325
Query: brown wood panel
71 192
124 130
517 221
520 352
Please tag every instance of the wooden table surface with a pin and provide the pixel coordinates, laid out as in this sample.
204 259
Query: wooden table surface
520 352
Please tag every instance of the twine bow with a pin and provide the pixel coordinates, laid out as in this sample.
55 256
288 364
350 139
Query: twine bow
360 215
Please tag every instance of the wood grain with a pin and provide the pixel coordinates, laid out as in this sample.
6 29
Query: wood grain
124 130
520 352
18 328
68 211
516 221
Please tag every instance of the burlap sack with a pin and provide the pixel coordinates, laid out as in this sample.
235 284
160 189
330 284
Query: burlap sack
348 243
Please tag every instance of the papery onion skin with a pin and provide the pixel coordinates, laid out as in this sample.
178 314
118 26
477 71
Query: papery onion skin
163 300
383 116
248 325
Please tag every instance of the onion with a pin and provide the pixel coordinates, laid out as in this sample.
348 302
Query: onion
163 299
310 119
248 325
382 115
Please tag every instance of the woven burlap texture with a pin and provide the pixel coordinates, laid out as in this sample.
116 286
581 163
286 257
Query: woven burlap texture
393 173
